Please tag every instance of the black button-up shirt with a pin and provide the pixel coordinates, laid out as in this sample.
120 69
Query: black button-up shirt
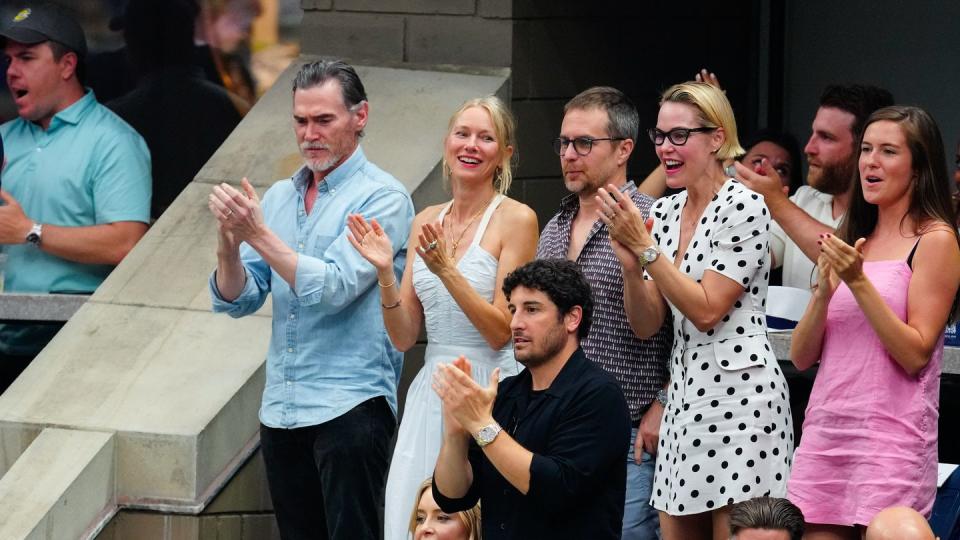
577 430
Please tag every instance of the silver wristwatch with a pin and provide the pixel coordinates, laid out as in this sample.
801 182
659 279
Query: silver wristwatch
662 397
487 434
35 234
648 255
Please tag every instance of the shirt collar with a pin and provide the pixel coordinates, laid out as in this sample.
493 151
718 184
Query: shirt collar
571 203
334 178
76 111
569 373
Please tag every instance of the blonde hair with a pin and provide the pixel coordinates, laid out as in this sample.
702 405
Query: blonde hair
504 129
470 518
714 111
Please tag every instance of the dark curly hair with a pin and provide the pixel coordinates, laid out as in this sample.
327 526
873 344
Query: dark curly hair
562 281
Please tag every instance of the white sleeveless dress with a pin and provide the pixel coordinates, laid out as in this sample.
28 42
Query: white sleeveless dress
449 334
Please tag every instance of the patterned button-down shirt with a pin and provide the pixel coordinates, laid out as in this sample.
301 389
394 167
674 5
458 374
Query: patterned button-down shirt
640 365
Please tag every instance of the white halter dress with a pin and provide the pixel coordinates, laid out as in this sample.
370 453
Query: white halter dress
449 334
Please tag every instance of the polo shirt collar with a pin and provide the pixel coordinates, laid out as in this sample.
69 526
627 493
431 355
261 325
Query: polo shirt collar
74 113
335 178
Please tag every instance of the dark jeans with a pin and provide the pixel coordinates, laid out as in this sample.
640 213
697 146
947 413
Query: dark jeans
327 481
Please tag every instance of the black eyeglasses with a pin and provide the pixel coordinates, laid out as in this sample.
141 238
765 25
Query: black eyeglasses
677 136
581 145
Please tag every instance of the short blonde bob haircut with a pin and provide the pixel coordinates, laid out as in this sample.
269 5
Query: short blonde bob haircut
714 111
504 129
470 518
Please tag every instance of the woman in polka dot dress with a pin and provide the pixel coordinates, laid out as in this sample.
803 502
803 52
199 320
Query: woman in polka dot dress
726 433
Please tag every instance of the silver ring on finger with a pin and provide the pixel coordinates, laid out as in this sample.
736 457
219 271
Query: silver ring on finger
229 212
432 245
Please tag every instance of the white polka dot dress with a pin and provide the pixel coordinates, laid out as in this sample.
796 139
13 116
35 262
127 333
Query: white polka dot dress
726 434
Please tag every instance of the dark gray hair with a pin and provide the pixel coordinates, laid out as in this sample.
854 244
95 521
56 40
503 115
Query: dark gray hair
319 72
767 513
622 118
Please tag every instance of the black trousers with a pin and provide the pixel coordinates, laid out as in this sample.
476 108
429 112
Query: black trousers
327 481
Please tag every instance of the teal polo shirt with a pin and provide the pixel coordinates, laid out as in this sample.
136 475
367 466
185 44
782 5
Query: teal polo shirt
88 168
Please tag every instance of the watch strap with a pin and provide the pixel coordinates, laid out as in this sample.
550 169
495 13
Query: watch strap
487 434
35 235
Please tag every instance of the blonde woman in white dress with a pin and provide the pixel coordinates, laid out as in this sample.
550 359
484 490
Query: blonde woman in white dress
463 250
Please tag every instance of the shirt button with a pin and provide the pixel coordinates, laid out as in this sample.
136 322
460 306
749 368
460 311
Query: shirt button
290 349
503 526
289 383
292 316
300 245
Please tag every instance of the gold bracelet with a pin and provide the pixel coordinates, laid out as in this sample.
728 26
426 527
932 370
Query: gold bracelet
388 285
391 306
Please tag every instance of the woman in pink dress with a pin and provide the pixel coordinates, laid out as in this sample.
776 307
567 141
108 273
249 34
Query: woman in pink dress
887 287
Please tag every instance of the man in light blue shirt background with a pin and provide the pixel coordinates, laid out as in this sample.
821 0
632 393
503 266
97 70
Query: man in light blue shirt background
76 186
329 405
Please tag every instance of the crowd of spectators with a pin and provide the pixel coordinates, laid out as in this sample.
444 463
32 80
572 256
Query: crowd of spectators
609 377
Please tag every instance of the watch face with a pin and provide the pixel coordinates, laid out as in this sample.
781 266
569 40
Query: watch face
487 434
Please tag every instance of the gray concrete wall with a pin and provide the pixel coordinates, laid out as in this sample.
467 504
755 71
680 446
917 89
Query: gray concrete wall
459 32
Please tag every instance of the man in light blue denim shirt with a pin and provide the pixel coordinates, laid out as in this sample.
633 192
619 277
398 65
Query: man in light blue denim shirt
329 406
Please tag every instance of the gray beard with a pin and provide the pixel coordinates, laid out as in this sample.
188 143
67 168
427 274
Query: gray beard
322 166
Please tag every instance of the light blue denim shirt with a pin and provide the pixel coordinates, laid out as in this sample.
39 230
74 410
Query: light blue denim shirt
329 349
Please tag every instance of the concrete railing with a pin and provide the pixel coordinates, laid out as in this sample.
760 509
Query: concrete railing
40 307
146 399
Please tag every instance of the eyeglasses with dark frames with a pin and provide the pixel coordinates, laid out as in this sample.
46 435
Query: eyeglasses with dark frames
677 136
581 145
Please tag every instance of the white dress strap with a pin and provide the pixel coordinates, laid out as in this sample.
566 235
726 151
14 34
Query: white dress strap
444 211
487 214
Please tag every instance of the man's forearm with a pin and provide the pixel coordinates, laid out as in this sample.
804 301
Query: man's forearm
277 254
453 475
803 229
511 459
95 244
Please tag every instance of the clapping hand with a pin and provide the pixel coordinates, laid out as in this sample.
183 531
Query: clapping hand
844 259
239 216
827 280
629 232
371 241
432 248
465 401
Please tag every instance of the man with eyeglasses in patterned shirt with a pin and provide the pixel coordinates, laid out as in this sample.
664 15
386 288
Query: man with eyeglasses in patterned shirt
597 136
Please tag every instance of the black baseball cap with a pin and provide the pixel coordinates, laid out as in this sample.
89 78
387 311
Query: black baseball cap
38 22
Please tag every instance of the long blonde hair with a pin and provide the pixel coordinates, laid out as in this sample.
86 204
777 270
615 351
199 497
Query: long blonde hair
470 518
504 128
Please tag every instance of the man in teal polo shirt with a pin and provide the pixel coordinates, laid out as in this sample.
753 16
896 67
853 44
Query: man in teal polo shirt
76 185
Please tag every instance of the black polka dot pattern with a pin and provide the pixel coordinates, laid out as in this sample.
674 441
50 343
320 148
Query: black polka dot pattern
727 435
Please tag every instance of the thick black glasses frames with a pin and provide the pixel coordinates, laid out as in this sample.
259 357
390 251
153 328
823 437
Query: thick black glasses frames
677 136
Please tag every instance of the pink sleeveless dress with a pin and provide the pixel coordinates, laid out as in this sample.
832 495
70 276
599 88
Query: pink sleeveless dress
870 435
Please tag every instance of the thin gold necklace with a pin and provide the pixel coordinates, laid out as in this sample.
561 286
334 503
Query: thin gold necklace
456 243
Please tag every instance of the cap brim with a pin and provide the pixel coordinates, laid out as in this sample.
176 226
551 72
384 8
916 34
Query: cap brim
23 35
